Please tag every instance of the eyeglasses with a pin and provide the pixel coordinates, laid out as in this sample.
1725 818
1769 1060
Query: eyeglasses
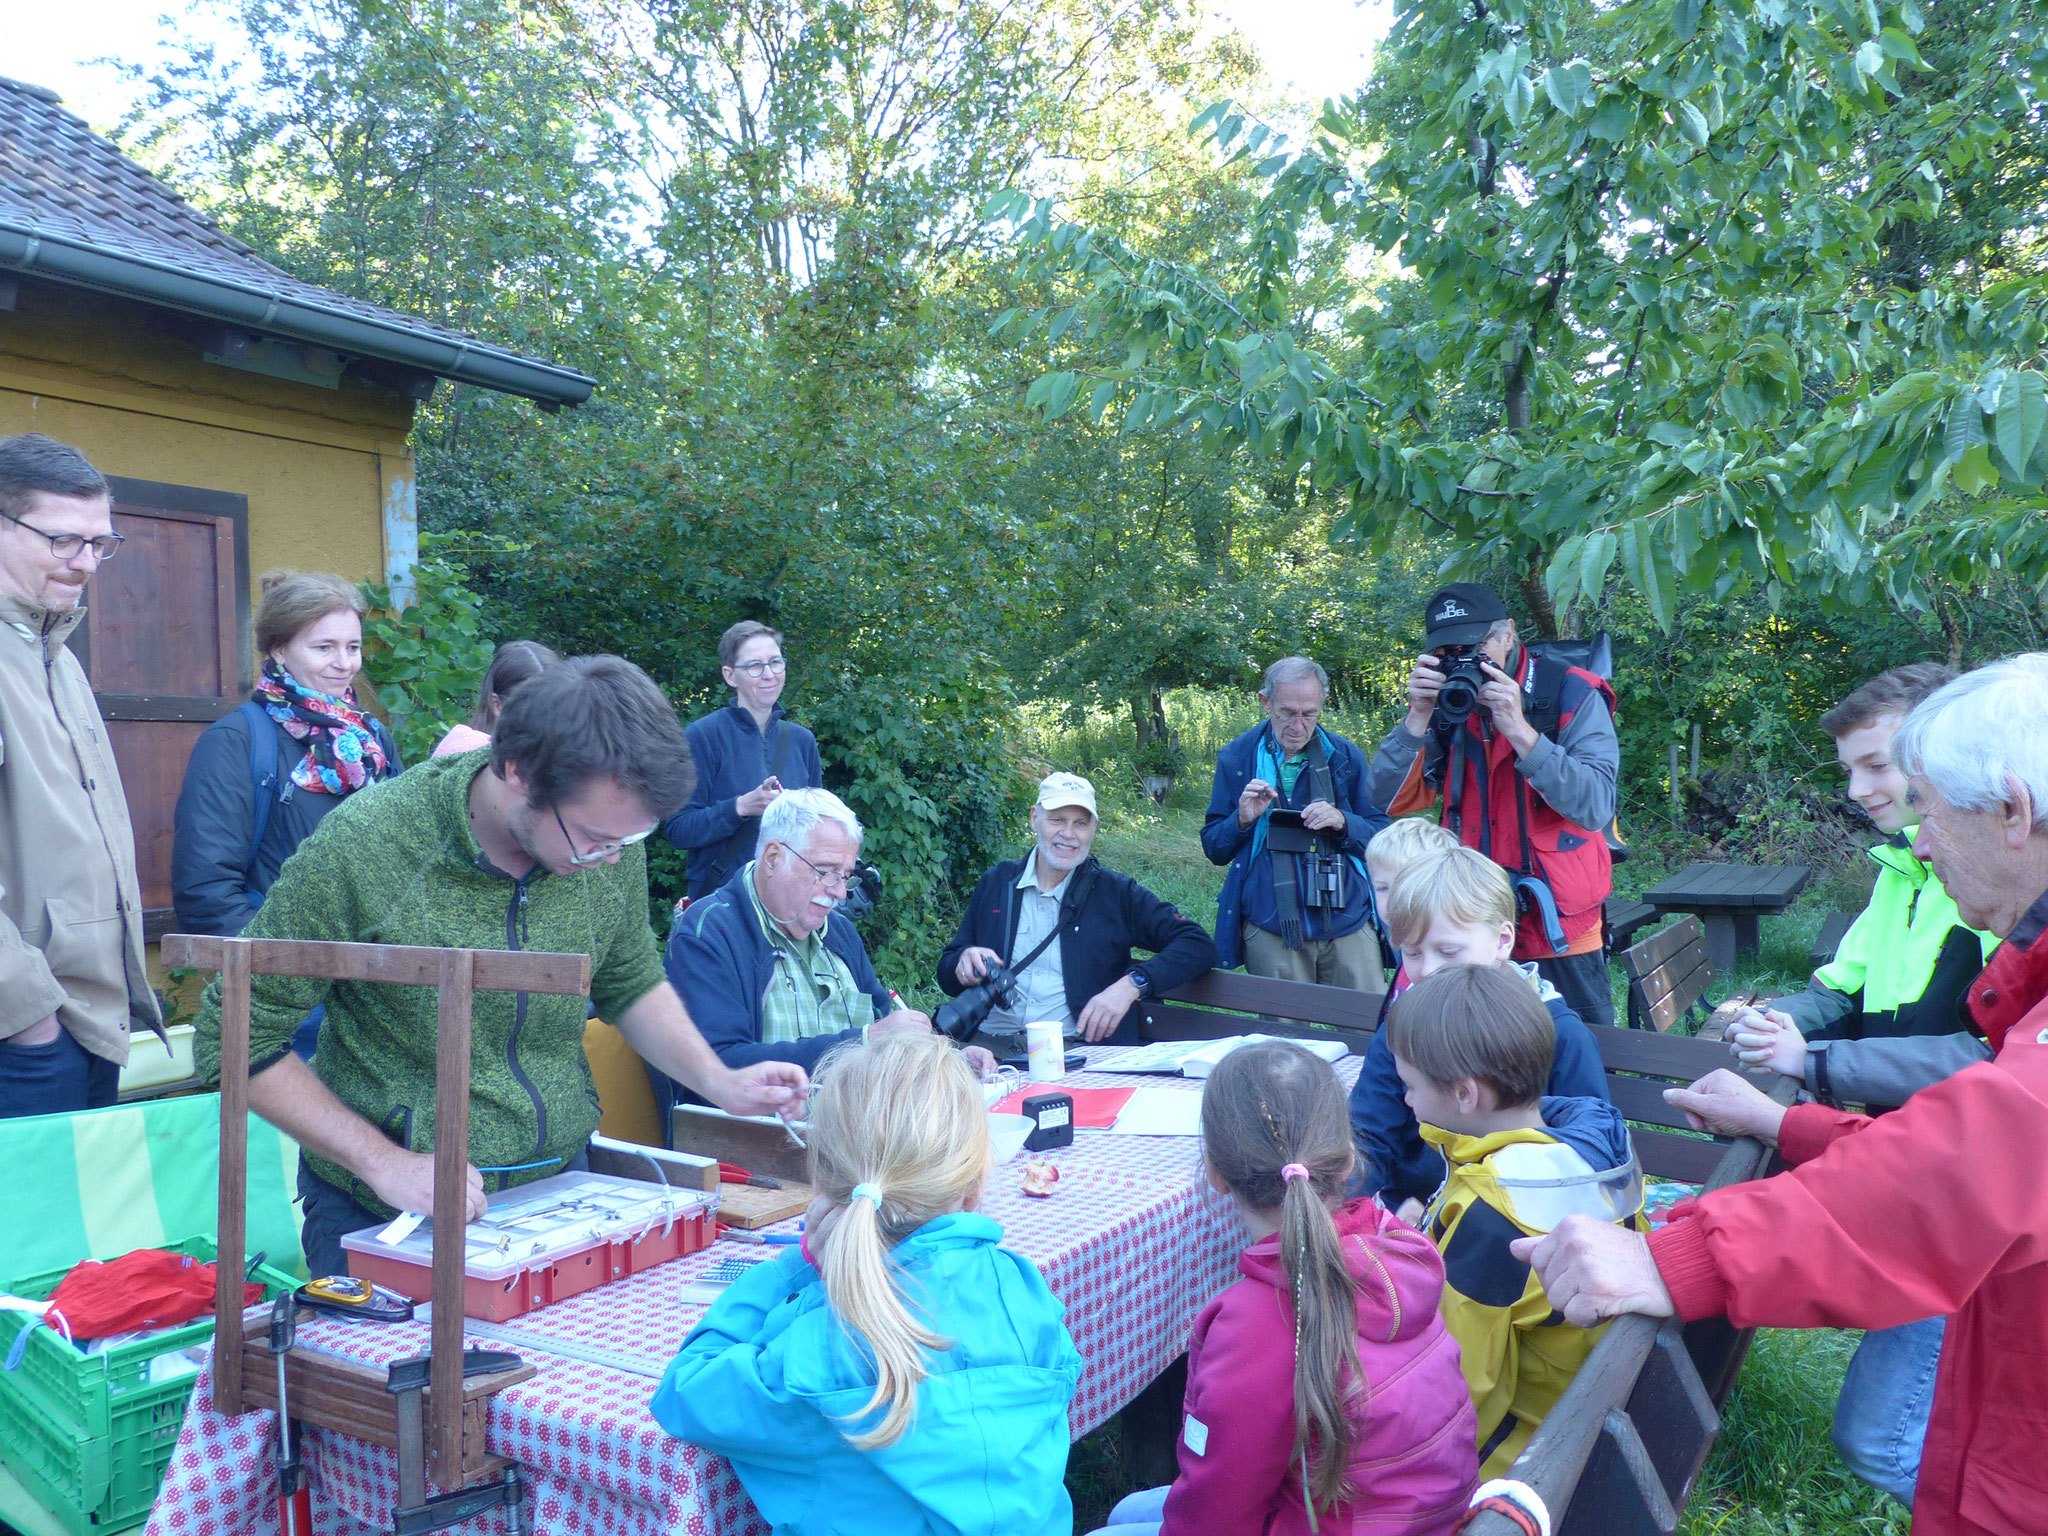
847 878
65 546
763 668
602 851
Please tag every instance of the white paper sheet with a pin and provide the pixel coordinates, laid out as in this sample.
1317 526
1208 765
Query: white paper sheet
1160 1112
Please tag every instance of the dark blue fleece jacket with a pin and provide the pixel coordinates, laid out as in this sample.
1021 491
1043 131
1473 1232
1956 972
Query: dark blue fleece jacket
1398 1162
733 757
1248 887
721 964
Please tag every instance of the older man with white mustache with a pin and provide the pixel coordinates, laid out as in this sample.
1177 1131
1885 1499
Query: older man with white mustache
769 966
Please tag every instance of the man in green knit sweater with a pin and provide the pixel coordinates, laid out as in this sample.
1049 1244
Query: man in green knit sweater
531 844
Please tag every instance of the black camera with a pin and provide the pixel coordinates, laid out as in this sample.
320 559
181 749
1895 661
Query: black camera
1462 681
862 891
962 1015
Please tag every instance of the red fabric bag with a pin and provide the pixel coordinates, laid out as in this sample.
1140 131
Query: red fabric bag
148 1288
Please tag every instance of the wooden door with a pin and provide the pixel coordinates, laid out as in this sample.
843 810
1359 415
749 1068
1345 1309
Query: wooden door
166 645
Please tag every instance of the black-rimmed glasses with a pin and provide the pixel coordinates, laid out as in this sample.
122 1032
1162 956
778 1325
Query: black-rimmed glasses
602 851
65 546
762 668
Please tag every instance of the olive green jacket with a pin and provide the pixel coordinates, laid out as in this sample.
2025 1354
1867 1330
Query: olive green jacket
396 863
70 904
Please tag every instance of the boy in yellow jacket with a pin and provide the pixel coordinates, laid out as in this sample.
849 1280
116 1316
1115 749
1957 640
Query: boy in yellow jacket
1473 1047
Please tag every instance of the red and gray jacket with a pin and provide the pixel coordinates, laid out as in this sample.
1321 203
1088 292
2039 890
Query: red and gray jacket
1538 815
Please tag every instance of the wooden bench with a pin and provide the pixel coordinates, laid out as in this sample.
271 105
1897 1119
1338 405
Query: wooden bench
1620 917
1619 1453
1669 974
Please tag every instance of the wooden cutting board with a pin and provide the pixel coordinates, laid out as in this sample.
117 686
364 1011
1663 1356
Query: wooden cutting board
747 1207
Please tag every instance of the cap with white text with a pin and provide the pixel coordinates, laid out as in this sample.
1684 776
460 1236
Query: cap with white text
1460 614
1061 789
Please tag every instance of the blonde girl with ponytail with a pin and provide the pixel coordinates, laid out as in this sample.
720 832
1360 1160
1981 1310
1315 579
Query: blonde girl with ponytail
1324 1394
901 1373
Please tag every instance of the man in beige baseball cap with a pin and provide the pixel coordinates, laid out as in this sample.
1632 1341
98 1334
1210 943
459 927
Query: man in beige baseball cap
1076 924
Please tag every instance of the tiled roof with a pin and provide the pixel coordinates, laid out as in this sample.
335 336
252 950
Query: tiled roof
80 211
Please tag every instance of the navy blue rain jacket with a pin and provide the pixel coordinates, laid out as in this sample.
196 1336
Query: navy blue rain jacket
211 876
733 757
1248 887
1398 1162
721 964
1103 916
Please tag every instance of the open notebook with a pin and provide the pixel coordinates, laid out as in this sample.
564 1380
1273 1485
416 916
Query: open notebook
1198 1058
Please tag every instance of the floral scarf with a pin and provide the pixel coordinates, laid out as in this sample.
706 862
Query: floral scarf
342 750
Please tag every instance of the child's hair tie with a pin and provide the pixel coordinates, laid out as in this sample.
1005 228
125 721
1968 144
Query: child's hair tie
1292 1171
869 1192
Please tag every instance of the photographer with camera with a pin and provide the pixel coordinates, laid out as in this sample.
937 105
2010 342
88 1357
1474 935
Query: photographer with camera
771 968
1069 926
1291 815
1520 750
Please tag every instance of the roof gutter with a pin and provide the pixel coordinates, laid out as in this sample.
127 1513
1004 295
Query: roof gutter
66 259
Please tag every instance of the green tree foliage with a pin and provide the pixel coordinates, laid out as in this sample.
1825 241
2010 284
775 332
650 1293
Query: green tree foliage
425 658
1681 288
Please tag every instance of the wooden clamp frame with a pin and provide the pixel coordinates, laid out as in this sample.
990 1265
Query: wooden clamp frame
457 974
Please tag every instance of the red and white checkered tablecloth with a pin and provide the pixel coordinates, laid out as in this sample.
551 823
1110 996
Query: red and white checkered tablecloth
1131 1242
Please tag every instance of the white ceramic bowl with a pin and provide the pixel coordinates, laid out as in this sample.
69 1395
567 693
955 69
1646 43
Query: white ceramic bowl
1006 1134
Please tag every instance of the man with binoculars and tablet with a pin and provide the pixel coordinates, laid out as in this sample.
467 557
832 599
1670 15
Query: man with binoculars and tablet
1520 751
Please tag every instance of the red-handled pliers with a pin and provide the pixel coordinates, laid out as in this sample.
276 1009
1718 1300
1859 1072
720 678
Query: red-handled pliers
733 1173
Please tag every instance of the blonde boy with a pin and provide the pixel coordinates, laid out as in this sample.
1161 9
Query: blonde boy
1473 1048
1452 908
1408 841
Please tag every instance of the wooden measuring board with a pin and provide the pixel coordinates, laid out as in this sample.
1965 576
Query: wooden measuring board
747 1207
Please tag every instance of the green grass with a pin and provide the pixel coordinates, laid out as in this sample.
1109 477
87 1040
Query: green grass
1773 1471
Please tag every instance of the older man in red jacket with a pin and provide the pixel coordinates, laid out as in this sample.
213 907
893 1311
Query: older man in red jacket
1939 1207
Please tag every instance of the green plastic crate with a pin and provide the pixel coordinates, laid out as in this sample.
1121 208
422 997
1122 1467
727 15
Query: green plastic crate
90 1435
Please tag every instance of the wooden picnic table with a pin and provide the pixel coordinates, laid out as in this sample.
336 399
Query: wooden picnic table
1730 899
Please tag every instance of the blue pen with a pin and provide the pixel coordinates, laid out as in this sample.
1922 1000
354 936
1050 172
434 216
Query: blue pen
741 1235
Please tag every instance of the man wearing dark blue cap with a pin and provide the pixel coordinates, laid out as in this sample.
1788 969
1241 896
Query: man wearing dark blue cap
1524 773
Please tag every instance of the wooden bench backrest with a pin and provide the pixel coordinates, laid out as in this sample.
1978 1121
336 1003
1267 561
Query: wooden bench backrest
1640 1065
1668 973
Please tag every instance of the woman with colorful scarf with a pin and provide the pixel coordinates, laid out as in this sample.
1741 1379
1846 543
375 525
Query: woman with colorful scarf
261 778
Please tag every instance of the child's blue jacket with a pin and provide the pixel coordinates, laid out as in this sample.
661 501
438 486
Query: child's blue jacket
770 1379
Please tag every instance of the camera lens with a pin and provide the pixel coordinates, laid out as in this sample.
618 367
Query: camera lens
1457 701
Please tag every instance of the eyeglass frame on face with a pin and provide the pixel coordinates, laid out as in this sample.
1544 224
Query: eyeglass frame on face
761 666
113 541
847 878
603 850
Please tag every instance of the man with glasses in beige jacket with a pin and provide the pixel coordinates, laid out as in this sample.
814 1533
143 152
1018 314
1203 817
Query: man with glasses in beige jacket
72 981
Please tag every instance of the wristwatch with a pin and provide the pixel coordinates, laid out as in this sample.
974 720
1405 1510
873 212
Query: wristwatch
1137 978
1817 1075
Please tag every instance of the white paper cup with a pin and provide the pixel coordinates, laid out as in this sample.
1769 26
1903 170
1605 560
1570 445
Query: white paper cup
1045 1049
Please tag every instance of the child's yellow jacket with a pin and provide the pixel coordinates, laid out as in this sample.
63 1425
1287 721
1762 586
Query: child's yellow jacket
1519 1352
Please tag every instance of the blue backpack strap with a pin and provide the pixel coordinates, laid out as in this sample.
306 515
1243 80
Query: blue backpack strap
263 780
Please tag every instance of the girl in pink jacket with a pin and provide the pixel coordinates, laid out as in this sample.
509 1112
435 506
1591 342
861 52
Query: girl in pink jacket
1324 1393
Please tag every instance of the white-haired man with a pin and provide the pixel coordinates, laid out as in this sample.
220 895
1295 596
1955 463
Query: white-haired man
1935 1208
1291 815
768 965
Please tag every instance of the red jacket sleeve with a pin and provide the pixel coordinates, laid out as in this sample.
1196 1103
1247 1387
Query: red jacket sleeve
1240 1412
1888 1220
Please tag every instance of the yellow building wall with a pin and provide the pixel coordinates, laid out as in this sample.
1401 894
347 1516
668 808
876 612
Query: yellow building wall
316 464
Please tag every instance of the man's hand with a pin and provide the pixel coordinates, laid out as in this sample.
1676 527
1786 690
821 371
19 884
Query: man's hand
1593 1270
1425 682
1252 804
765 1088
759 798
1761 1038
1321 816
1106 1010
974 964
1501 697
42 1032
1729 1105
981 1061
405 1181
904 1021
